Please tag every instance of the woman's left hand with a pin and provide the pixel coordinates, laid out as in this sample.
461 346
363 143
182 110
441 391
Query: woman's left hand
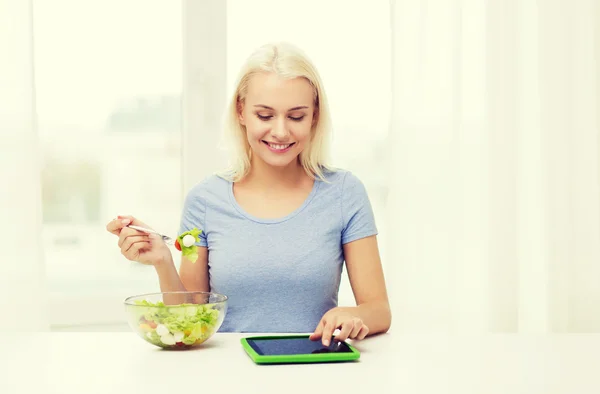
350 325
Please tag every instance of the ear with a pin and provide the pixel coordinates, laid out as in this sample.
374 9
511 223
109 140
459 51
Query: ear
240 112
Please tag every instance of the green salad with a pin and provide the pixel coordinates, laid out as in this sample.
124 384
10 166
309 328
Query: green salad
185 243
176 325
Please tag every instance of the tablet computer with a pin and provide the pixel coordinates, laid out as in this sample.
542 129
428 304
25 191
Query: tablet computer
295 349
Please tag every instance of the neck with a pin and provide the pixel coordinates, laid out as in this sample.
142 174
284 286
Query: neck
268 176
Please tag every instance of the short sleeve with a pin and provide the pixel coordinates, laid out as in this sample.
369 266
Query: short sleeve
357 213
194 214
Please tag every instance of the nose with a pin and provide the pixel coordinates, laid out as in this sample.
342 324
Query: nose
279 131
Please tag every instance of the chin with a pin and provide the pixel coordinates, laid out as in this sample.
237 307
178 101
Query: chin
280 162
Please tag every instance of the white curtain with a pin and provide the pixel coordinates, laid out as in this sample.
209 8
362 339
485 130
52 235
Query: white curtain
494 171
493 210
22 284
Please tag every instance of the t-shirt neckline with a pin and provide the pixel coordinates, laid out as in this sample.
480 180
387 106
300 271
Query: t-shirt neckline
289 216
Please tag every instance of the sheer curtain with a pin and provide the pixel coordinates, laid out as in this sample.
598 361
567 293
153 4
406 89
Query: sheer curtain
97 137
342 48
494 176
488 204
22 284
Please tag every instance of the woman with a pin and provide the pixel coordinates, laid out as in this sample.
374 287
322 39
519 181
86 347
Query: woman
279 224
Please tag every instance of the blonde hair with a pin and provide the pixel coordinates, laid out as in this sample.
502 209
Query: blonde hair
287 61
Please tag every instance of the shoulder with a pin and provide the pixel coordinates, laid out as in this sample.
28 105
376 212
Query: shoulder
349 189
343 181
213 187
358 220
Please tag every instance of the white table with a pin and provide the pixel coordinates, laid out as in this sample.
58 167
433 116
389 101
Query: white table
91 362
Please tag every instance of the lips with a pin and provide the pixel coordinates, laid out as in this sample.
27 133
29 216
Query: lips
279 147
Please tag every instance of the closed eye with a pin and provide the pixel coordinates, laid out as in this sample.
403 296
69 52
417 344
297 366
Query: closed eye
268 117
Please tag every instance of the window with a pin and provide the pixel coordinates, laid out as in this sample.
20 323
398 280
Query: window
121 132
108 77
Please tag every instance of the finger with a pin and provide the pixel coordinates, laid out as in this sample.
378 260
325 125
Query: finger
318 331
133 253
126 217
358 324
155 238
133 220
364 331
347 328
115 225
330 326
127 232
132 240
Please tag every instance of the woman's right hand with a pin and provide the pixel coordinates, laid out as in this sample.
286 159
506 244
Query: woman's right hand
137 245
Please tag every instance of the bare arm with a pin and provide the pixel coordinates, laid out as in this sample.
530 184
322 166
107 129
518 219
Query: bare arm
168 277
191 277
150 250
368 284
194 276
372 314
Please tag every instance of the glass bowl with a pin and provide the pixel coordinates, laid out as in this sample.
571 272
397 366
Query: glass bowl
176 320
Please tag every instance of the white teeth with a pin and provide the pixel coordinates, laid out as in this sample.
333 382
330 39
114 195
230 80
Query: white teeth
279 147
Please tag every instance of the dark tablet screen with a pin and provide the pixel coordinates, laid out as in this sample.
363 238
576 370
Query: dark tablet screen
287 346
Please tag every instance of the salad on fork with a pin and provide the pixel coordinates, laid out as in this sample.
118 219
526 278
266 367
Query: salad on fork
185 242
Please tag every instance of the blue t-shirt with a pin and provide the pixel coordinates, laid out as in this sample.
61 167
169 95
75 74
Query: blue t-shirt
280 275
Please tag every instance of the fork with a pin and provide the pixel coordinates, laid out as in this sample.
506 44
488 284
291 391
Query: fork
165 238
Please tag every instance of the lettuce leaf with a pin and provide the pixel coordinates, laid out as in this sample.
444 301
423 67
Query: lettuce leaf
190 252
196 322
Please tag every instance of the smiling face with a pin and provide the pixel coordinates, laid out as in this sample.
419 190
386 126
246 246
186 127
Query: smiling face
278 116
